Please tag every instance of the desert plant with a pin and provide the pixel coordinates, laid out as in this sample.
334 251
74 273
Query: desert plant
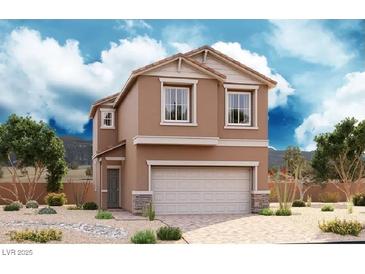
20 204
55 199
298 203
327 208
31 204
350 208
74 165
359 199
103 214
309 201
342 227
149 211
14 206
328 197
79 191
47 210
73 207
283 212
90 206
266 212
144 237
285 187
1 172
167 233
89 171
38 236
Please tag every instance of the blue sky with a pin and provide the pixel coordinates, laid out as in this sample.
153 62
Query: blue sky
54 69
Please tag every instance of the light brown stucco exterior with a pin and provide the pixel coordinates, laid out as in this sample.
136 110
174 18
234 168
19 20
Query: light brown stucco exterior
139 114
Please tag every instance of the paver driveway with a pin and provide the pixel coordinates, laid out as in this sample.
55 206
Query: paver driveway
301 227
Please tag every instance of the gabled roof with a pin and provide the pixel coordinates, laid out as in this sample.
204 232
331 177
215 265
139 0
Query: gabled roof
271 83
219 76
108 99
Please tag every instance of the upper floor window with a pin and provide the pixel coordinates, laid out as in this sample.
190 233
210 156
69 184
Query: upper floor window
177 106
107 118
239 108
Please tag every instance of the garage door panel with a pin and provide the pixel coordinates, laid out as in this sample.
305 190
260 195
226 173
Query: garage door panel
201 190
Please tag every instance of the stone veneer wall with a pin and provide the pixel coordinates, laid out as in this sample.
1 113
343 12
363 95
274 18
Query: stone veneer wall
259 201
140 201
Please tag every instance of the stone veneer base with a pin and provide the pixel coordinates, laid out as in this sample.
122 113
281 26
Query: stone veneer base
140 201
259 201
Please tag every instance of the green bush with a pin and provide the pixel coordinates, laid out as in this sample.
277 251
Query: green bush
283 212
74 208
31 204
144 237
327 208
74 165
90 206
14 206
266 212
328 197
166 233
38 236
55 199
298 203
47 210
103 214
359 199
149 211
344 227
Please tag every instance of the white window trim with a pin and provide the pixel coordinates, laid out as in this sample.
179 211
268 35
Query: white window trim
107 110
115 158
193 105
230 92
232 88
253 164
187 121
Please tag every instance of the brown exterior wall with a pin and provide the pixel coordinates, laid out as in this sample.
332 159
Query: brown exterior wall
41 190
201 153
107 138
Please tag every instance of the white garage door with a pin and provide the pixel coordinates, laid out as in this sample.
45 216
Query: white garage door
201 190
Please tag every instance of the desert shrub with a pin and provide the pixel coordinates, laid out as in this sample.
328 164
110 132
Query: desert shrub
31 204
47 210
298 203
283 212
103 214
38 236
329 197
167 233
327 208
14 206
144 237
55 199
342 227
74 207
90 206
89 171
359 199
74 165
149 211
20 204
266 212
309 201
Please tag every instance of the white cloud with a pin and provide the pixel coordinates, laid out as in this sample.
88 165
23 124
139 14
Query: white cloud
184 38
132 26
40 77
310 41
347 101
277 96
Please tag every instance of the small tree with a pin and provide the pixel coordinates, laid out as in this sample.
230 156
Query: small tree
339 156
285 188
79 191
30 149
300 169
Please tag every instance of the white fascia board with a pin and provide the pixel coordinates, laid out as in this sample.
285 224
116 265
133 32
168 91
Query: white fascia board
243 143
201 163
175 140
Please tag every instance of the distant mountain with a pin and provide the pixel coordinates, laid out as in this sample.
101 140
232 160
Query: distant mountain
276 157
80 151
77 150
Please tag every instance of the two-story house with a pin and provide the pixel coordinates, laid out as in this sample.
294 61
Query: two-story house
189 133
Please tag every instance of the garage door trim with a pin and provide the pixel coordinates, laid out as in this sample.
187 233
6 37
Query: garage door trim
253 164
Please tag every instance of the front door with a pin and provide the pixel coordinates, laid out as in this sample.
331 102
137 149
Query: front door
113 188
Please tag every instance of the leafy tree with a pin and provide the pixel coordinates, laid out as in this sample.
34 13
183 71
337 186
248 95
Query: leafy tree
339 156
300 169
26 144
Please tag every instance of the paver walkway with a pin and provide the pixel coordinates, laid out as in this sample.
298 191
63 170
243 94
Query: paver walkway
301 227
